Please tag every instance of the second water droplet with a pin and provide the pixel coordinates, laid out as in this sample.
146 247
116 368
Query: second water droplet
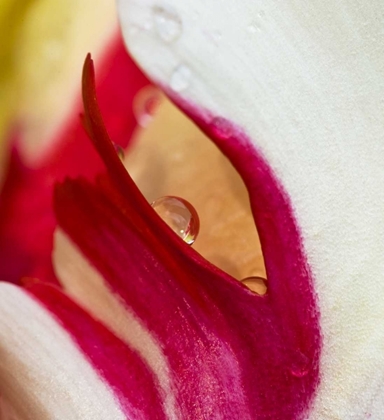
179 215
300 365
256 284
145 105
181 78
167 23
222 128
119 151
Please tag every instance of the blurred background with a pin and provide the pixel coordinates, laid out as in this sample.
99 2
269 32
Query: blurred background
42 47
43 44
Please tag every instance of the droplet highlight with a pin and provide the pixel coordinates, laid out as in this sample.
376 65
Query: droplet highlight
167 23
256 284
145 104
119 151
253 28
222 128
300 365
181 78
180 216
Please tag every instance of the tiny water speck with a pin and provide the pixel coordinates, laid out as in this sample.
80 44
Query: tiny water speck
119 151
181 78
180 216
167 23
253 28
256 284
300 365
222 127
145 105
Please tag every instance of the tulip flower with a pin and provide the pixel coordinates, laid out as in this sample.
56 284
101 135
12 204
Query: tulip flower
130 321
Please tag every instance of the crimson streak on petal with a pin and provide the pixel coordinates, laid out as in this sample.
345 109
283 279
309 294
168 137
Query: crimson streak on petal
232 354
127 375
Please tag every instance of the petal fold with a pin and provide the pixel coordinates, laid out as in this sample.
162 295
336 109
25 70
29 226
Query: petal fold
229 350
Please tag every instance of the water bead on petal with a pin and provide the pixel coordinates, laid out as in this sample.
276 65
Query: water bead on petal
300 365
119 151
179 215
256 284
145 104
167 23
180 78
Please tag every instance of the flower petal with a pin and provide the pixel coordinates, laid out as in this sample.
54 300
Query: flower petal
57 362
230 351
304 82
124 371
86 286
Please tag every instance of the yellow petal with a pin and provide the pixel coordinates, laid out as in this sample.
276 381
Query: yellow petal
44 54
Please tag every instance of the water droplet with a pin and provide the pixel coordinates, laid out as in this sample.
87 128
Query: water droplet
179 215
256 284
252 28
167 23
216 36
181 78
300 365
119 151
145 104
222 128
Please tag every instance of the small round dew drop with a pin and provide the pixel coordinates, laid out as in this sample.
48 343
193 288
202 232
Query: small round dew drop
222 128
256 284
300 365
180 216
145 105
119 151
181 78
168 24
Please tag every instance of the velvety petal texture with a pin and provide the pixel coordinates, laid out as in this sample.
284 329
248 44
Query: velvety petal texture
122 369
230 352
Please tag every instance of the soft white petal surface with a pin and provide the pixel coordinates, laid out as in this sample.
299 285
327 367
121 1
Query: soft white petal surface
305 80
43 375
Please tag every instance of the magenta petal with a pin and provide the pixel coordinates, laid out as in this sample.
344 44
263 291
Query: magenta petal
129 377
232 353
